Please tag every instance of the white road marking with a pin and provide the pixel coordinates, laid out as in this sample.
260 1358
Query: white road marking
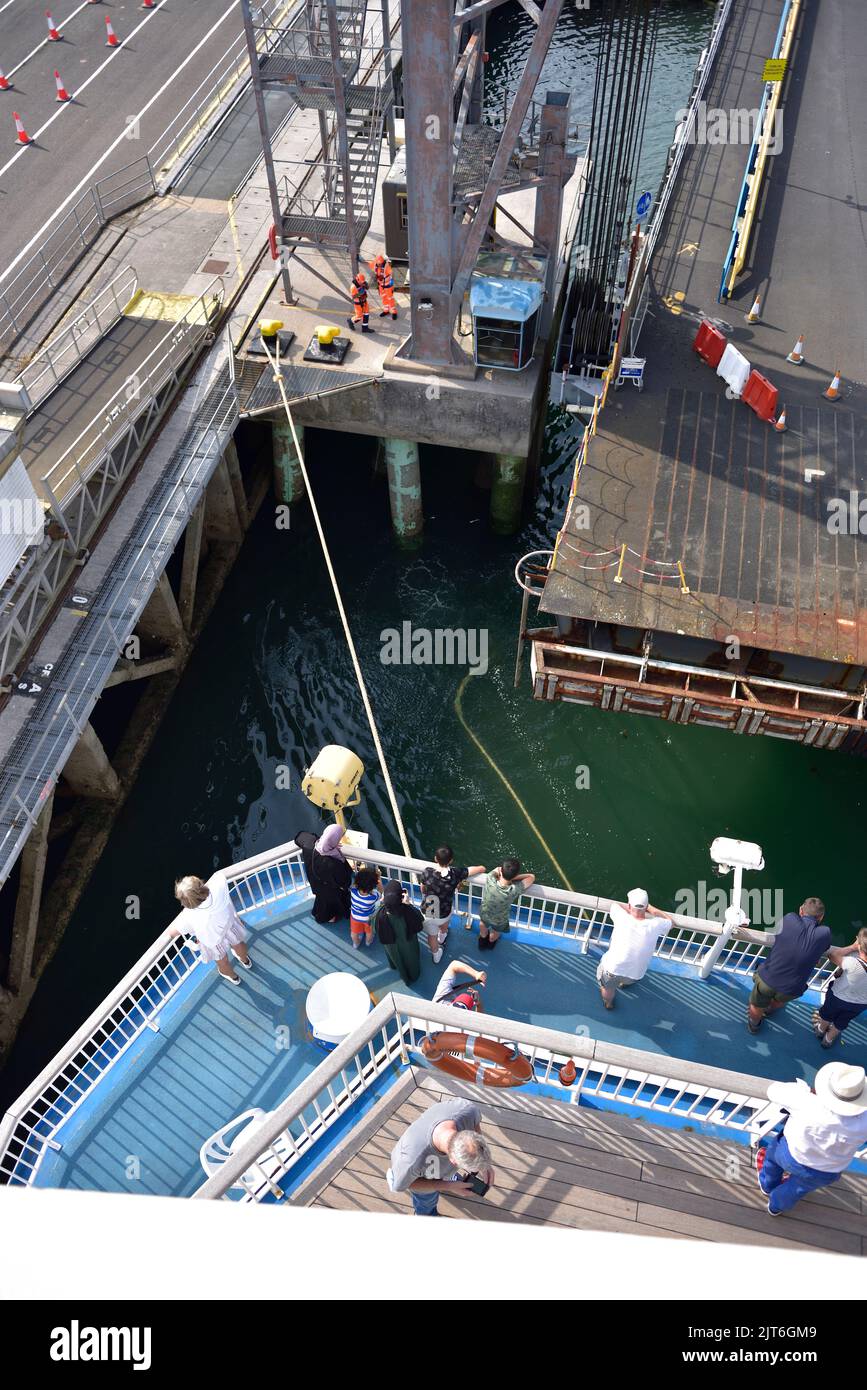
93 76
723 1036
6 6
664 1023
113 146
45 41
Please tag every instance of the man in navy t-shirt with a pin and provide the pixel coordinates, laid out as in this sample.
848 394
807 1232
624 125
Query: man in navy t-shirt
800 942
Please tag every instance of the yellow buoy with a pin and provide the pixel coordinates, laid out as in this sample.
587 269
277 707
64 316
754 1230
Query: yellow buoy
326 333
270 327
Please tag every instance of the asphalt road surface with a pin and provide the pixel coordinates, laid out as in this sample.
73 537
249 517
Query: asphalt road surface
109 86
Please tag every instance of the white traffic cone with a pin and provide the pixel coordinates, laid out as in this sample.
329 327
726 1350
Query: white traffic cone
797 353
755 313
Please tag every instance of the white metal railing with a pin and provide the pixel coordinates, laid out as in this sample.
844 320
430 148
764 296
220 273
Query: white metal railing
47 369
276 876
392 1033
215 94
80 458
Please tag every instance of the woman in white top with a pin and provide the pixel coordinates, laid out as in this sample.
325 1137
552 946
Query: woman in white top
209 915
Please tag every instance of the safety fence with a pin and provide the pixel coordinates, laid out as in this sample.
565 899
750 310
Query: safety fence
83 483
25 290
619 1078
276 879
73 342
216 94
751 186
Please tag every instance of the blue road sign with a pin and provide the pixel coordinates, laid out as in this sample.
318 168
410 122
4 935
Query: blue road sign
643 204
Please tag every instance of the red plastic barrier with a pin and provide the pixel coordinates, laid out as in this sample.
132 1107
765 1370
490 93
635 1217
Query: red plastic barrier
710 344
761 396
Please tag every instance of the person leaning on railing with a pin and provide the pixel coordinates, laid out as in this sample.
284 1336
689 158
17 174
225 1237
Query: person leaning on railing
442 1151
209 915
800 942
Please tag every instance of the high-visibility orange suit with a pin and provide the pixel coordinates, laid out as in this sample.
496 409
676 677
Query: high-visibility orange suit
385 284
360 306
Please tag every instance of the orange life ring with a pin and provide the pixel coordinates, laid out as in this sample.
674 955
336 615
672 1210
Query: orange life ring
272 243
505 1066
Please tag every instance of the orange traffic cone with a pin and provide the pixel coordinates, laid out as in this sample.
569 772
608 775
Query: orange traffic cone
567 1073
780 425
21 134
62 93
5 84
833 392
148 4
797 353
111 37
53 35
755 313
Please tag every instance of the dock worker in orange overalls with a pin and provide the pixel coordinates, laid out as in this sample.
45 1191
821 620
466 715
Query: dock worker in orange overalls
360 306
381 268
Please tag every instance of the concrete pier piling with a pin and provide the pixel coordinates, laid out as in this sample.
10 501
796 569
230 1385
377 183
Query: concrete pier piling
288 482
507 493
404 490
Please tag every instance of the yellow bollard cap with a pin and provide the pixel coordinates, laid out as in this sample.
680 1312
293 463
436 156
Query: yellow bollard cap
326 333
269 327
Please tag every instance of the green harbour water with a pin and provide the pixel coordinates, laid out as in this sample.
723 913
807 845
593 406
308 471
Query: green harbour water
270 682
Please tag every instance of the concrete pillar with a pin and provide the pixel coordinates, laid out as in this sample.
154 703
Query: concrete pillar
288 482
161 619
193 556
404 490
233 466
221 514
28 902
88 770
507 493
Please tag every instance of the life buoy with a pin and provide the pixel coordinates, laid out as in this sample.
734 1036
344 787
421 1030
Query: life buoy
484 1062
272 242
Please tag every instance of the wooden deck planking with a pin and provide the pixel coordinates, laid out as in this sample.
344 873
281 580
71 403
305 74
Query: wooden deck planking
571 1172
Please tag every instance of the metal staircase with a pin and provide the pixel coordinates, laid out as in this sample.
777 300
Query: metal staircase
329 201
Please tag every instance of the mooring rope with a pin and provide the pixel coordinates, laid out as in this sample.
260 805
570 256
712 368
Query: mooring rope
507 784
359 676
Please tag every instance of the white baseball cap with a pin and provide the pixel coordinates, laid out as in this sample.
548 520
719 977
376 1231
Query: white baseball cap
637 897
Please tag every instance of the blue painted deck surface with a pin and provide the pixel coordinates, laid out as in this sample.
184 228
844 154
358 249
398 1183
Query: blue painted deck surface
223 1050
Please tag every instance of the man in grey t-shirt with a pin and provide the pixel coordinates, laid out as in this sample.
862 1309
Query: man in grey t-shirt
427 1159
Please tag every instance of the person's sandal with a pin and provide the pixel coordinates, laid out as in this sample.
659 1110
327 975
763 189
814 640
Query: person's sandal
753 1027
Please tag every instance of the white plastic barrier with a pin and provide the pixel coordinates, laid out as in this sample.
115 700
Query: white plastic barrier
734 370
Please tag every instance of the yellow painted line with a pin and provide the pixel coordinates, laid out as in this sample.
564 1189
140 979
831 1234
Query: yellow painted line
217 99
749 217
236 240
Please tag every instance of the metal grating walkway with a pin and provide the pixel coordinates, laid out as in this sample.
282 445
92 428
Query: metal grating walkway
258 391
60 713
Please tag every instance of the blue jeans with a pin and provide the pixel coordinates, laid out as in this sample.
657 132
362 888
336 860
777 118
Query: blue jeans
425 1203
801 1180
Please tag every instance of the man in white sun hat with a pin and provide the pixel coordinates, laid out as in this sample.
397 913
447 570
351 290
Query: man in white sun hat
824 1130
637 928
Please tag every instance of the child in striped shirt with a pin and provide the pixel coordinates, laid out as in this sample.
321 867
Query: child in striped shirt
363 902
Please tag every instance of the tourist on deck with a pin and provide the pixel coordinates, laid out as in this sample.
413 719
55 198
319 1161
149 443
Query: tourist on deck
636 929
439 882
502 886
209 915
363 902
328 873
435 1151
846 995
799 943
452 990
398 924
824 1130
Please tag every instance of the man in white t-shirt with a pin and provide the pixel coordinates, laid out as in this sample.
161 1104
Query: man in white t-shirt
637 928
824 1130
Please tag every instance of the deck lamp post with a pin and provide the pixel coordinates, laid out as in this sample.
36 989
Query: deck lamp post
731 856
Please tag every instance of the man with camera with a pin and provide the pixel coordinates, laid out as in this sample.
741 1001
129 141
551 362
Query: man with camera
442 1151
